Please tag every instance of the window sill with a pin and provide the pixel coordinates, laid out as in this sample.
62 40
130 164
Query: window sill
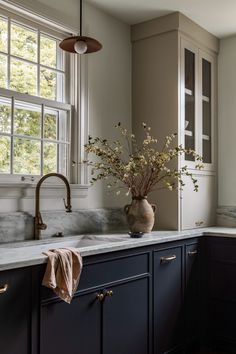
26 190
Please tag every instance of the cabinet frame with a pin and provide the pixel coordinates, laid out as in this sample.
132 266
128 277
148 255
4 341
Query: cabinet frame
199 54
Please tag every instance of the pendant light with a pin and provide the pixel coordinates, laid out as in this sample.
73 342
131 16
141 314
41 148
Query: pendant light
80 44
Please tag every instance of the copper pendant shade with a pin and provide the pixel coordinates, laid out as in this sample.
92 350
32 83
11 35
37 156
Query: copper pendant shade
91 44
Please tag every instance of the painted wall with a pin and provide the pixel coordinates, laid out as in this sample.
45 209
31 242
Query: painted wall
109 89
227 122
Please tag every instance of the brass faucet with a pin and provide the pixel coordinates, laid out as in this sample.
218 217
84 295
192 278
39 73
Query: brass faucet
38 221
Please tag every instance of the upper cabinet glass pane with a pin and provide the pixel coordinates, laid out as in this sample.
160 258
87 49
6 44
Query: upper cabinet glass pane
206 111
206 78
189 70
24 42
189 81
3 35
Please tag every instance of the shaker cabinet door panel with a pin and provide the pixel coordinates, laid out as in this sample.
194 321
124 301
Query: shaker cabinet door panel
126 319
192 296
72 329
15 310
168 288
198 208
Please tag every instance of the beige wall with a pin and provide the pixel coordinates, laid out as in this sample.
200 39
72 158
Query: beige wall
109 84
227 122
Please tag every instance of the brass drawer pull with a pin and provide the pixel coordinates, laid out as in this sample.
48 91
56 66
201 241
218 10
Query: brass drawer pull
100 297
3 288
199 223
109 293
192 253
168 259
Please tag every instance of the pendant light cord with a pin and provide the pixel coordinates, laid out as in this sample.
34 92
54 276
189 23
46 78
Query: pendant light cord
80 25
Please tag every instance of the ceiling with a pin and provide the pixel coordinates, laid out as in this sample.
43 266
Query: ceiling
216 16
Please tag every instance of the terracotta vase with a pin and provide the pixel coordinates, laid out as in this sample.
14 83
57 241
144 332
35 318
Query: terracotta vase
140 215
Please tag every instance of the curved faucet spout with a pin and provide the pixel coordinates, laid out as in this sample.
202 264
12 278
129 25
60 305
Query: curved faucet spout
38 222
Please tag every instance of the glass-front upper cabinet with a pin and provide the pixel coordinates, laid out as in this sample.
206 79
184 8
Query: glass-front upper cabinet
189 97
197 104
207 108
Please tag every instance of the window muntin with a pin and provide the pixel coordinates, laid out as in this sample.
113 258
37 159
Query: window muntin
34 120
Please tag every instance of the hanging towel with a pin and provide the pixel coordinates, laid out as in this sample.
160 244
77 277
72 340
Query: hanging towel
63 272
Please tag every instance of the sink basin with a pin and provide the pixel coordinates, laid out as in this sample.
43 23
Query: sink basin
80 241
87 241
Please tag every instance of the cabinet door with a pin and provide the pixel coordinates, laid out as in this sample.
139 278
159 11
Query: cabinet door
207 109
198 209
15 311
192 292
189 98
126 319
168 291
72 329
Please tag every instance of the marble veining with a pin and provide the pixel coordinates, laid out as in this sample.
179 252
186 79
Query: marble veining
19 226
22 254
226 216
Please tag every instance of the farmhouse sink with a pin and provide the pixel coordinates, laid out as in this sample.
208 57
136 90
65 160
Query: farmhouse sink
80 241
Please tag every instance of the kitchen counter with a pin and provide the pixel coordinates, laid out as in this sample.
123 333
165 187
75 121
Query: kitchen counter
22 254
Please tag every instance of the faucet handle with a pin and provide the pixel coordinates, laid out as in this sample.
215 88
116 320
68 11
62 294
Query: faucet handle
67 207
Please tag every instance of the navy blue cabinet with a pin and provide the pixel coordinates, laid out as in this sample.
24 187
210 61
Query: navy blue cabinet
15 312
74 328
168 300
192 293
221 300
140 301
110 312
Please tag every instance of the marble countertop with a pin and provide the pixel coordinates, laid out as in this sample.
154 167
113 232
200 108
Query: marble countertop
22 254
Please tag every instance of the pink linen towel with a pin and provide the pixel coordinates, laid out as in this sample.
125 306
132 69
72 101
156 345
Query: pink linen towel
63 272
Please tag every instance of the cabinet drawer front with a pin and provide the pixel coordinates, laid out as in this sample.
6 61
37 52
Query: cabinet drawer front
113 270
101 273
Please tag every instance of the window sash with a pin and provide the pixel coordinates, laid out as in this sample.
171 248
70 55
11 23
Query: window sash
47 31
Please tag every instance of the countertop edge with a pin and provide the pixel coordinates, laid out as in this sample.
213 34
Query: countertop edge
147 240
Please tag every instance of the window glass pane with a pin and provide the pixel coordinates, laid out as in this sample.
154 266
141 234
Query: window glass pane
3 71
27 119
23 77
5 148
50 124
63 128
3 35
5 115
48 51
48 80
26 156
23 42
63 158
49 157
51 85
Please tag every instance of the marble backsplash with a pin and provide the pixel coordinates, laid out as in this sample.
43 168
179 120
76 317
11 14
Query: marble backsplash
226 216
19 226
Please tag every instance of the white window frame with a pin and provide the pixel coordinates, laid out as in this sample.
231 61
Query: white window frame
71 65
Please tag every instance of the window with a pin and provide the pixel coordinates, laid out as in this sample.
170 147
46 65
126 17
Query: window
34 115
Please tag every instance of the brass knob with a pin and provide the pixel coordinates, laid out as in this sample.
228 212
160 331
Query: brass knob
100 296
109 293
3 288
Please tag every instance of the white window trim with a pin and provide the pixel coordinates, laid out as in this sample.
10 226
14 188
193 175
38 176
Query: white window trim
78 99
